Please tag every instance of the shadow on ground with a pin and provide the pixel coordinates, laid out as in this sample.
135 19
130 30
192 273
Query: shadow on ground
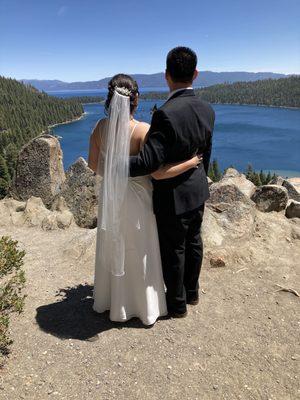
73 316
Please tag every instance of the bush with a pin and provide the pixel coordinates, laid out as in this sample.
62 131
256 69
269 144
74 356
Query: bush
12 280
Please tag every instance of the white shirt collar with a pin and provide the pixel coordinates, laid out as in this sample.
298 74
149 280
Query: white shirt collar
177 90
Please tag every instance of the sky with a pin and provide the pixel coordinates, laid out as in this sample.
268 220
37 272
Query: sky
81 40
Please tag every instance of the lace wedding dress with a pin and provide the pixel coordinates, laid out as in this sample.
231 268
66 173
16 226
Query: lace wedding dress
134 286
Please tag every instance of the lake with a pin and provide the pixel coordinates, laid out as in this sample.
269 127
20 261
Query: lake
266 137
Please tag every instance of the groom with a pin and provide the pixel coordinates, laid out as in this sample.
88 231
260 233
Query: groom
180 128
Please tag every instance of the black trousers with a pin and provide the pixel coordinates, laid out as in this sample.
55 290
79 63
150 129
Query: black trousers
181 249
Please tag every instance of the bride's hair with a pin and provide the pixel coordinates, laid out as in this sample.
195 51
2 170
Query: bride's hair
126 85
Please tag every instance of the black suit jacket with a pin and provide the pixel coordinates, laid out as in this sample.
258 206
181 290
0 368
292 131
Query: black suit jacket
180 128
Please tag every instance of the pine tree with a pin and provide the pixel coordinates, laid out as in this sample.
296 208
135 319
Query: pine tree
249 172
217 171
262 177
3 187
3 169
211 173
11 156
256 179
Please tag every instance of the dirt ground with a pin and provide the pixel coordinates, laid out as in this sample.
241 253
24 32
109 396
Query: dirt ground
240 342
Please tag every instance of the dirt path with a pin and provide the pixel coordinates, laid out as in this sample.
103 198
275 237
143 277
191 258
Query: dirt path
240 342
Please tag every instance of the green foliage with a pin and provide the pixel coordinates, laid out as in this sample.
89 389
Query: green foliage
214 171
284 92
12 281
258 178
271 92
25 113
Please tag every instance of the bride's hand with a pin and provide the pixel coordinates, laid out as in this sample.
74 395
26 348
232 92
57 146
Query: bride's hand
196 160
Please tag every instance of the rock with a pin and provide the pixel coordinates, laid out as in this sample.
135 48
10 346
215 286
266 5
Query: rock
231 173
277 180
39 170
11 211
295 181
217 262
225 222
270 198
80 191
293 209
232 176
209 181
35 212
293 193
225 191
290 185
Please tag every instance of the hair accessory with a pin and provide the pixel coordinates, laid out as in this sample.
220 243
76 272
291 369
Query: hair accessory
123 90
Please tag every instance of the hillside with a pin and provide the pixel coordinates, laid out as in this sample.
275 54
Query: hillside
206 78
271 92
25 113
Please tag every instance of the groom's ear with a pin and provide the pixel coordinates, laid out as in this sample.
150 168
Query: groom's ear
196 73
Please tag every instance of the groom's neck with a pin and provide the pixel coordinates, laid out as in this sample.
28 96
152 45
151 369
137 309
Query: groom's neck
179 85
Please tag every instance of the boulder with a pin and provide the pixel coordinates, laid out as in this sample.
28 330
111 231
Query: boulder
293 209
277 180
244 185
11 211
80 191
291 186
209 181
39 170
225 191
226 222
34 213
295 181
270 198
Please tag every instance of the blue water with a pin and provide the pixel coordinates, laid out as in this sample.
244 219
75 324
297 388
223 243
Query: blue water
268 138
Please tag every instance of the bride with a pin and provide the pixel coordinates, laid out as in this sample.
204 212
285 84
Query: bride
128 277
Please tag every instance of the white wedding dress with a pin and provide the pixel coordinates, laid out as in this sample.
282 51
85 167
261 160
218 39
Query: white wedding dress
140 291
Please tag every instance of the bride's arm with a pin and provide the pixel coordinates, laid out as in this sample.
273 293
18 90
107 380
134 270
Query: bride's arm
94 147
171 170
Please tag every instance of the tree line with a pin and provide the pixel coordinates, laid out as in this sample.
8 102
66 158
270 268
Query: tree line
25 113
258 178
284 92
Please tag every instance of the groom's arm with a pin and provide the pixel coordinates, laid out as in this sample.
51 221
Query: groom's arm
160 138
207 152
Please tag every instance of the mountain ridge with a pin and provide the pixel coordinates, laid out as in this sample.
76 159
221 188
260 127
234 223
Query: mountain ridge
205 78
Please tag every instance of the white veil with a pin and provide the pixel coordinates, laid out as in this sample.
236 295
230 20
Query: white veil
113 166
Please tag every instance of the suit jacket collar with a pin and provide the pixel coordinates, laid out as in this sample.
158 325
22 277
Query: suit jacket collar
182 93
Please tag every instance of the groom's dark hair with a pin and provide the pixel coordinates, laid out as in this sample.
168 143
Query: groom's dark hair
181 64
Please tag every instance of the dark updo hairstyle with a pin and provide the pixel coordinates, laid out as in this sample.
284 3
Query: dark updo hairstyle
126 81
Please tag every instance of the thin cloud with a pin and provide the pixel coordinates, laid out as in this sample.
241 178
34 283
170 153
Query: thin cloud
61 11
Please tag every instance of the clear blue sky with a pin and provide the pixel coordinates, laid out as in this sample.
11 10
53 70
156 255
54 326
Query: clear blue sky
84 40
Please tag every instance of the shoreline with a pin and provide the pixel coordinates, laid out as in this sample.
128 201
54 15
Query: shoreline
255 105
69 121
237 104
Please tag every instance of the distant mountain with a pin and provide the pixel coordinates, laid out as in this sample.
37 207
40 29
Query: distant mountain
206 78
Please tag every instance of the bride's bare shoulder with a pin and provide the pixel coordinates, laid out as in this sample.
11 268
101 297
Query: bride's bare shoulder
99 124
96 132
142 128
